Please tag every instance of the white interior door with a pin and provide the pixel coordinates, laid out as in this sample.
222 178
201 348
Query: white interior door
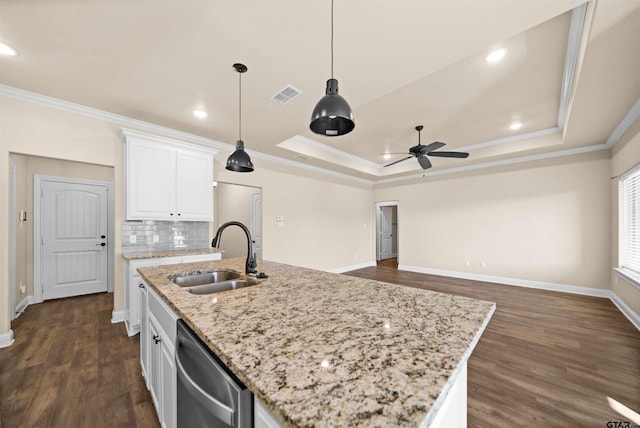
74 251
256 222
386 232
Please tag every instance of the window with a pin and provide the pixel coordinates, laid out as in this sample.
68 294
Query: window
630 216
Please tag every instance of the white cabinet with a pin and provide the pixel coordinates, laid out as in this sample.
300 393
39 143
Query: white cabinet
133 284
262 418
167 179
161 370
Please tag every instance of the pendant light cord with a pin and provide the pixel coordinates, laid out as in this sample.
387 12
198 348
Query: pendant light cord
240 106
332 39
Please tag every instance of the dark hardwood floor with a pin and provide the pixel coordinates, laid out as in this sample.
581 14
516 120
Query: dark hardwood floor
546 359
70 367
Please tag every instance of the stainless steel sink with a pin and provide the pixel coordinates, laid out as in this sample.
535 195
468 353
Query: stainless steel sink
212 282
219 286
205 278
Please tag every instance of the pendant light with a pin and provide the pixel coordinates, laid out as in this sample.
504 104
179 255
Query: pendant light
332 116
239 161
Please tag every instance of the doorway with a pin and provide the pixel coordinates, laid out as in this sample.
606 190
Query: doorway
387 233
72 233
236 202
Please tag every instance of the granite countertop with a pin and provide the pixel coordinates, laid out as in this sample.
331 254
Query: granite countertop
170 253
323 349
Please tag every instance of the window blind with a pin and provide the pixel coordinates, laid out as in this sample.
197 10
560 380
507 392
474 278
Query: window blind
631 220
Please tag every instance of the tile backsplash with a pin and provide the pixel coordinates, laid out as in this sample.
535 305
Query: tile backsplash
152 235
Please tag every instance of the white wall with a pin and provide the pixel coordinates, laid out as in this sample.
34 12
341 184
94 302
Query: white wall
626 155
546 221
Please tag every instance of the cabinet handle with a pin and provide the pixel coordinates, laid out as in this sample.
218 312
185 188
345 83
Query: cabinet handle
141 285
171 214
179 214
157 339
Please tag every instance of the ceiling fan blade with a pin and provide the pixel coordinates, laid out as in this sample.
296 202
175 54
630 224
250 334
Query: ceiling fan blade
398 161
431 147
461 155
424 162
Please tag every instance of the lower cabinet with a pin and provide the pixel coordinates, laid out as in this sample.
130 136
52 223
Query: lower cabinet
262 418
133 284
157 356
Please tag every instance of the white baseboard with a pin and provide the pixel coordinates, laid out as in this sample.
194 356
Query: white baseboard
6 339
551 286
131 331
626 310
117 316
352 267
20 308
564 288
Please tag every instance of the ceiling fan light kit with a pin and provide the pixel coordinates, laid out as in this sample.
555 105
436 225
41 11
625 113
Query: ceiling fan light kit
240 161
332 116
421 152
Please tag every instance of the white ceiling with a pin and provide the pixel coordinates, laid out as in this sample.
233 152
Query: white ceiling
399 64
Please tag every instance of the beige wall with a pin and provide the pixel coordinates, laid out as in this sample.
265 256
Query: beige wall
233 202
548 221
327 223
544 221
33 129
327 220
626 155
26 167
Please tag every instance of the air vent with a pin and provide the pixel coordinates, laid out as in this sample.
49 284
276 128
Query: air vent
286 94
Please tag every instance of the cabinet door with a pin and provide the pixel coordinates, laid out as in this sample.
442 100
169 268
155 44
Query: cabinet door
144 335
135 292
155 364
262 418
150 181
194 186
169 386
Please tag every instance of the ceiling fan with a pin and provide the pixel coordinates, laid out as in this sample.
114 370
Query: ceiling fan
421 152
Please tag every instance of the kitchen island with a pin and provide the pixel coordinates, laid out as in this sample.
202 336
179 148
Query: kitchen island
323 349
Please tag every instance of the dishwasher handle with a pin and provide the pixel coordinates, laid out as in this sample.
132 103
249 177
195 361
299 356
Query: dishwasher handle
221 411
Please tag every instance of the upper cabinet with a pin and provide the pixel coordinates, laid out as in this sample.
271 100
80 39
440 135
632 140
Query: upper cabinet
167 179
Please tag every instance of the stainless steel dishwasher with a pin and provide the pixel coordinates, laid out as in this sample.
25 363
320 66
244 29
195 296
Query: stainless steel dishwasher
208 395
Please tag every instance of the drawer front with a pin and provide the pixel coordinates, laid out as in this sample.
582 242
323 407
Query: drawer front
165 316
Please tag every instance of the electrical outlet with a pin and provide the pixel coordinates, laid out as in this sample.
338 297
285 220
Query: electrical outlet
132 239
467 263
483 264
156 239
23 288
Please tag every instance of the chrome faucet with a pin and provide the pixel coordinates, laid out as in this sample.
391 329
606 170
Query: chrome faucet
250 267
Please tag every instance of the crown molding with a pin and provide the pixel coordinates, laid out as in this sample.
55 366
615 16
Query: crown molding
624 124
140 125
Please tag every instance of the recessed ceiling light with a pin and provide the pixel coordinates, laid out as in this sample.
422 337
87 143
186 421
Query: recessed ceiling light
515 126
386 156
6 50
496 55
200 114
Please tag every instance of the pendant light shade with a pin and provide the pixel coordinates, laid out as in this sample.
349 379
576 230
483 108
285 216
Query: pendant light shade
332 116
239 161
